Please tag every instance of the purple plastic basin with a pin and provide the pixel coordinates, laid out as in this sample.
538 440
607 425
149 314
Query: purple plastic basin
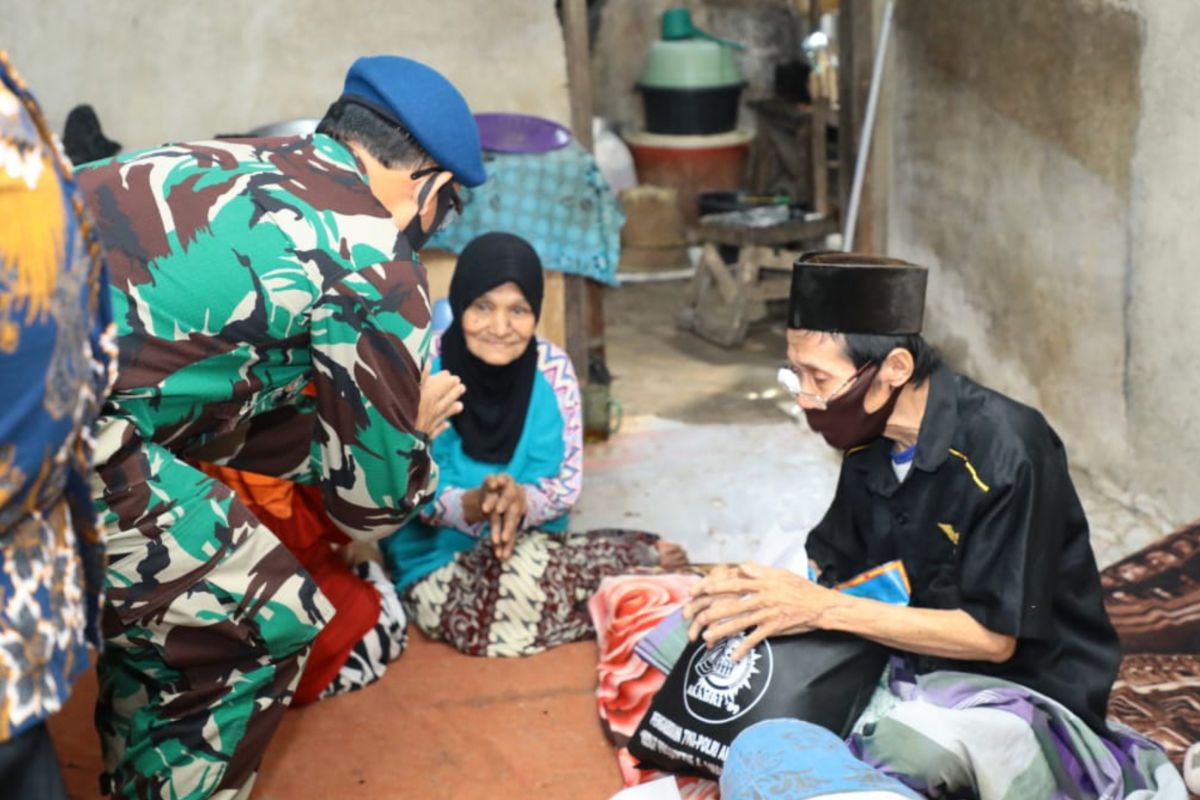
520 133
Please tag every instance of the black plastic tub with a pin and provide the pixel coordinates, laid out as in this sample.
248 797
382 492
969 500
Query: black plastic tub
691 112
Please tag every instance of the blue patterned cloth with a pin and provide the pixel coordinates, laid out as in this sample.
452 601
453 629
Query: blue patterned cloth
55 361
787 758
558 201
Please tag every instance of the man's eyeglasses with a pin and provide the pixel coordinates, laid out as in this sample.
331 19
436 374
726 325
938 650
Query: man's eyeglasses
793 382
455 201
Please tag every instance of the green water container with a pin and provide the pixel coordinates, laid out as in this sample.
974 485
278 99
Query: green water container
690 84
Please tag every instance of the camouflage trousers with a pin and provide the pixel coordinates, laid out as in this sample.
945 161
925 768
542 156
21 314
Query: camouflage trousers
207 624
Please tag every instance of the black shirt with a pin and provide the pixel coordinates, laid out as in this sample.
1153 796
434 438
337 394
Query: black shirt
986 521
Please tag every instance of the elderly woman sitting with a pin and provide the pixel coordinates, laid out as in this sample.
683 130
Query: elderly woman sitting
488 567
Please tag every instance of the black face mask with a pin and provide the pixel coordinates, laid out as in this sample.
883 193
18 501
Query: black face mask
447 199
845 423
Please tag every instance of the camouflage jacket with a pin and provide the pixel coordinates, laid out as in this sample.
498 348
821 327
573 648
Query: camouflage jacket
242 270
55 366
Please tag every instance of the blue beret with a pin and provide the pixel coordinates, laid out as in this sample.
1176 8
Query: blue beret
423 101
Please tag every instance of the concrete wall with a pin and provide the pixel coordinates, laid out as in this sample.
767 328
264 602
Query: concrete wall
171 70
1164 288
1043 164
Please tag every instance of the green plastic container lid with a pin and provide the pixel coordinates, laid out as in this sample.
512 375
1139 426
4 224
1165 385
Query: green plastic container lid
689 64
677 24
688 58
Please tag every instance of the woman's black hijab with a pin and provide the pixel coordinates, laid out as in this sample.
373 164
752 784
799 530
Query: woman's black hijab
497 398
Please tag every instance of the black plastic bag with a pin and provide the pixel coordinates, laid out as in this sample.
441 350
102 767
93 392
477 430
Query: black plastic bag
822 677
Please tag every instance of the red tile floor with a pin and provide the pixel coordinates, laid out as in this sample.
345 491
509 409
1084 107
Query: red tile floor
438 725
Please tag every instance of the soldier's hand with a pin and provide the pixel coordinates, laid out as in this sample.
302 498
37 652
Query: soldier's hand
440 399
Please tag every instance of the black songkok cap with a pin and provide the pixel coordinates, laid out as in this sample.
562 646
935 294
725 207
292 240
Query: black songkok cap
856 293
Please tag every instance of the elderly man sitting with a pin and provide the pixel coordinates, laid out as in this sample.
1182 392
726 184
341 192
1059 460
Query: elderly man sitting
1005 658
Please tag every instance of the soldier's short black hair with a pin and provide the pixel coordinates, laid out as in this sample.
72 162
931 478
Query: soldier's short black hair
381 136
863 348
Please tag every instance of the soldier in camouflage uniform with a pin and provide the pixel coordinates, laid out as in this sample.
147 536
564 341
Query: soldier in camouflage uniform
243 270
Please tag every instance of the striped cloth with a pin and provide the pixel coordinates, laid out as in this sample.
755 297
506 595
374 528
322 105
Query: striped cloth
949 734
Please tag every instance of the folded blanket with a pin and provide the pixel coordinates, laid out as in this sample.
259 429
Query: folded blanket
624 609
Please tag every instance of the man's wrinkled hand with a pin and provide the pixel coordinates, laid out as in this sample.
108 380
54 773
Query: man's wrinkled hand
756 600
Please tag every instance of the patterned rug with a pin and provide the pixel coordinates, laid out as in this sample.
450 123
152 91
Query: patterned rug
1159 695
1153 599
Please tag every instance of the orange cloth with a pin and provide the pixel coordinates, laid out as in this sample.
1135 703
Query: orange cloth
294 514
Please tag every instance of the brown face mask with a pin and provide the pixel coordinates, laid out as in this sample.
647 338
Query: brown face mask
845 423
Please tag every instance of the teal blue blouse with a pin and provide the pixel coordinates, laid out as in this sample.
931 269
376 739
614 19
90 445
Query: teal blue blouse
428 543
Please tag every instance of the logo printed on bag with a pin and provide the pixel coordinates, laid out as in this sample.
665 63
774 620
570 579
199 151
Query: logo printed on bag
718 689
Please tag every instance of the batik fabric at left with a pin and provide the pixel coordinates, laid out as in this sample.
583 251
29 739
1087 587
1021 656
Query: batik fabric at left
55 368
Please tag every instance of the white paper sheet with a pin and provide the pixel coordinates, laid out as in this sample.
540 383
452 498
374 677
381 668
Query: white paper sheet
661 789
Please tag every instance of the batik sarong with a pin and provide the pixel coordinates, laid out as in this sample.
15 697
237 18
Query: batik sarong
535 600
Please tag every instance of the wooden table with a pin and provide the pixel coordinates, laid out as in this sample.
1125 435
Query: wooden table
725 298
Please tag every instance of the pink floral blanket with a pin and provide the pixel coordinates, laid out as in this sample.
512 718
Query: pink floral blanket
624 609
